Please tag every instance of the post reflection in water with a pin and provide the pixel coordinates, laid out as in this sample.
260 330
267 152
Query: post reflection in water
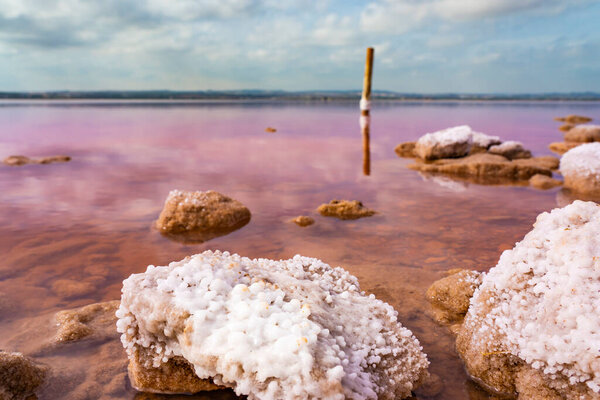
365 121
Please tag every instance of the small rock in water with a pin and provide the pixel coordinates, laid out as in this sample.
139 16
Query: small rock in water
303 220
580 168
200 216
565 127
406 149
23 160
270 130
583 134
543 182
345 209
448 143
562 147
573 119
93 319
19 376
450 296
511 150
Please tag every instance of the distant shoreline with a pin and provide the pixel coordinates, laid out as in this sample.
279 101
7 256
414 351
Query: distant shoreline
313 96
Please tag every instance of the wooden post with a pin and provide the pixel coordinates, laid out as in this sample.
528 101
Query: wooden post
366 145
365 100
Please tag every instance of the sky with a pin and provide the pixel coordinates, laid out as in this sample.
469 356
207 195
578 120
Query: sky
421 46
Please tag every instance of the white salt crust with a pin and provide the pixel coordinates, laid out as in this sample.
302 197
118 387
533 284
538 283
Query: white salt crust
507 146
290 329
545 296
582 161
458 134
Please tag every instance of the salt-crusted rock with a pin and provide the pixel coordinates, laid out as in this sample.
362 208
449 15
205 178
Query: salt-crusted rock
583 133
345 209
406 149
291 329
23 160
483 141
562 147
450 296
573 119
490 168
90 320
511 150
581 168
200 216
303 220
543 182
532 325
447 143
19 376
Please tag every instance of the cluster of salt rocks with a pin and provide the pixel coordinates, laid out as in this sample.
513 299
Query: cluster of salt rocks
577 132
531 329
580 168
268 329
462 152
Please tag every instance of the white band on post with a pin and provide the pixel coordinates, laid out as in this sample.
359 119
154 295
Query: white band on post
365 104
364 121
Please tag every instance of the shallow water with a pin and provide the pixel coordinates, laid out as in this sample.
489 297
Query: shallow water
72 232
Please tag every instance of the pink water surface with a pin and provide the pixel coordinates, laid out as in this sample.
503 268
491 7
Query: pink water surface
90 220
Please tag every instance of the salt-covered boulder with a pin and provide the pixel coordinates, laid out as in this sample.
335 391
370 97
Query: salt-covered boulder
285 329
19 376
510 149
448 143
573 119
583 134
543 182
562 147
200 216
345 209
482 142
532 326
580 168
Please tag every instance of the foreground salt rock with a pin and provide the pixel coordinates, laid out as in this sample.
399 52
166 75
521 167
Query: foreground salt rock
345 209
531 330
23 160
491 168
580 168
19 376
200 216
290 329
451 143
573 119
583 134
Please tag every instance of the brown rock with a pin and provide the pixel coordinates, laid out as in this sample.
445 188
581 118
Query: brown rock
345 209
573 119
511 150
270 130
81 322
175 376
562 147
53 159
303 220
200 216
23 160
544 182
406 149
19 376
490 168
583 134
565 127
450 296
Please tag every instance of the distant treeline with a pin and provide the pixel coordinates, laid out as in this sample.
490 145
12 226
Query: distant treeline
283 95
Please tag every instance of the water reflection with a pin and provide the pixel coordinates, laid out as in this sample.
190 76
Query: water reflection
365 122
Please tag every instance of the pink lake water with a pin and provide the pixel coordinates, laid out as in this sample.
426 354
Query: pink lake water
71 232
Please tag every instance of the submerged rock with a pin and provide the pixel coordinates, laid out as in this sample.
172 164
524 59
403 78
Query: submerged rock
90 320
450 296
345 209
267 329
531 328
573 119
303 220
543 182
406 149
562 147
511 150
491 168
583 134
447 143
580 168
23 160
200 216
19 376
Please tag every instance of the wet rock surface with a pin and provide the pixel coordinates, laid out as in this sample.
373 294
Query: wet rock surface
23 160
19 376
544 182
199 216
303 220
450 296
94 320
345 209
